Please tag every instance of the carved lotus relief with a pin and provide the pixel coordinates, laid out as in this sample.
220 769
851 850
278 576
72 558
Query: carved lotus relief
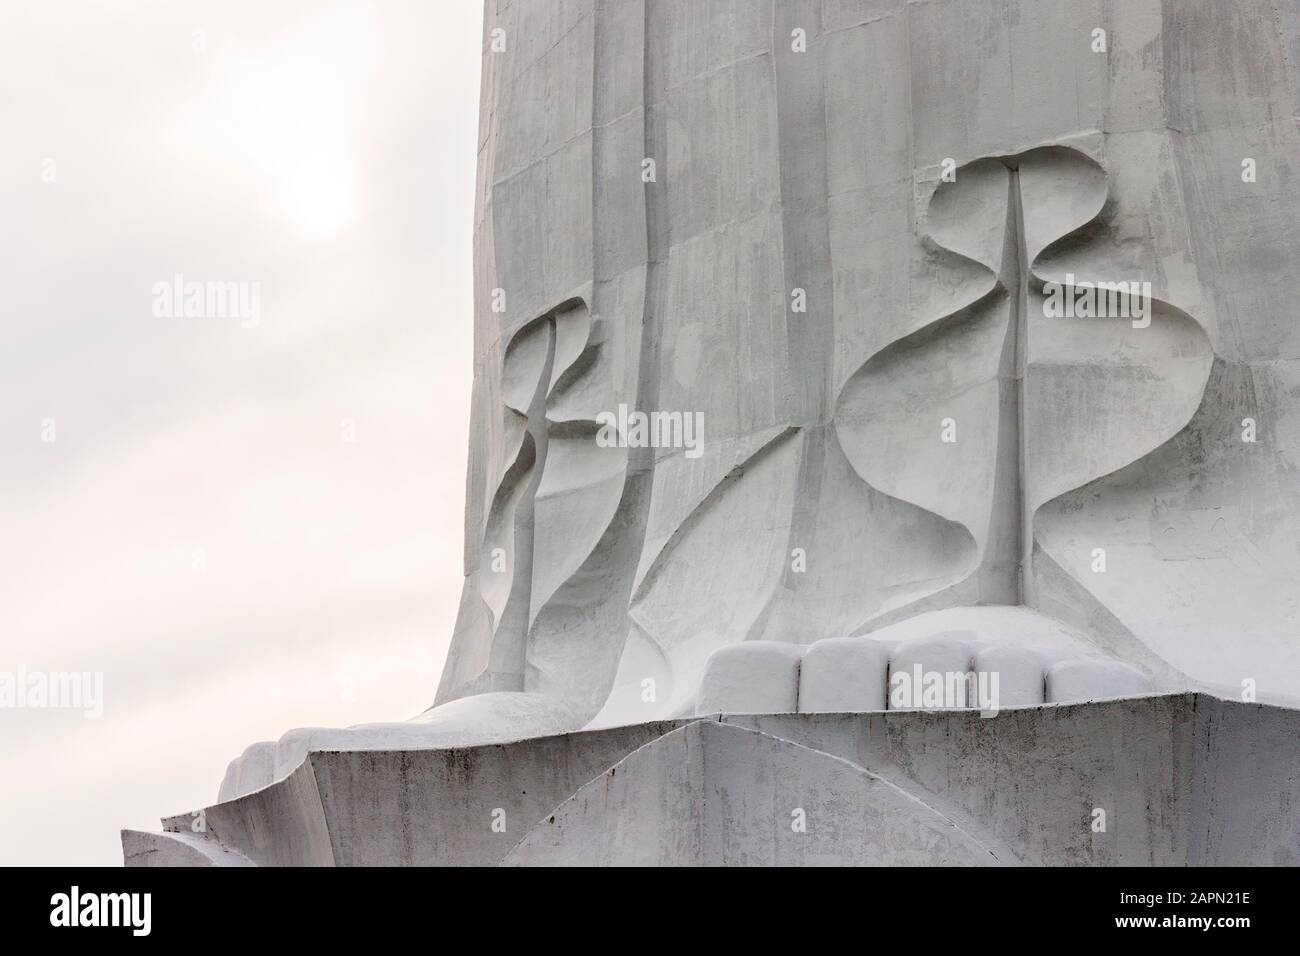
1037 404
895 515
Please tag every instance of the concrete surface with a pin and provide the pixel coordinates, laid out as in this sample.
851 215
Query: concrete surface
863 674
757 677
825 502
837 259
713 794
1153 780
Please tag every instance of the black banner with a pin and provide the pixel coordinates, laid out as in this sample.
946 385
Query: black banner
252 906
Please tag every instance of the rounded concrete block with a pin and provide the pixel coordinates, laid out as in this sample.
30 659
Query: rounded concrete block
256 767
1084 679
843 675
230 782
753 677
1009 676
949 655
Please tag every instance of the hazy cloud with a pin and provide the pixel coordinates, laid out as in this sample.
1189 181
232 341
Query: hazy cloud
200 529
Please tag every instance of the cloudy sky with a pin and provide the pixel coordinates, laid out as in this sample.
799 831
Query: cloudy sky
245 526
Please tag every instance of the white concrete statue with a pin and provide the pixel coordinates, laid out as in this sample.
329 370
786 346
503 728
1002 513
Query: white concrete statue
949 340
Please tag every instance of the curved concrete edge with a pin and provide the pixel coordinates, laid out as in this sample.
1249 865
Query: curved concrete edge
505 717
1183 778
714 794
459 806
414 806
752 677
140 848
280 825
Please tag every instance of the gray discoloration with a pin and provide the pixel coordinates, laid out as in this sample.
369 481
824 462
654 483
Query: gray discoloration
842 265
1183 779
715 794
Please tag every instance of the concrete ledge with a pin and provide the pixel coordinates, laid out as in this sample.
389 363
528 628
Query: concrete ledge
177 849
1182 779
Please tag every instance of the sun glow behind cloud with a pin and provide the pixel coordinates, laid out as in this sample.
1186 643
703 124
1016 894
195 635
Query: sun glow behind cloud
288 116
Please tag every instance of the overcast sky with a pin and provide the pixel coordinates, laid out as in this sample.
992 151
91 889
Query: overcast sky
180 506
